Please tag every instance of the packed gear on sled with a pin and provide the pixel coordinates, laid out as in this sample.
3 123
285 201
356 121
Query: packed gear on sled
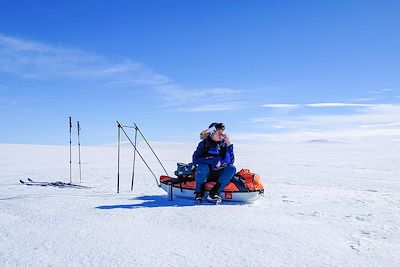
212 174
245 186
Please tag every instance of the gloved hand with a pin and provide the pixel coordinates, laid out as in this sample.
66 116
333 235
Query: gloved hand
227 139
221 164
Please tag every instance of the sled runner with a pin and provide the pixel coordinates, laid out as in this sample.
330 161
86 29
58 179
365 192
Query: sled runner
245 186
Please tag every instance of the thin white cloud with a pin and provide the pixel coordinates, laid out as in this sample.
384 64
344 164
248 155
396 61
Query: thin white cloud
177 95
316 105
391 124
198 100
38 61
211 107
22 45
283 106
33 60
382 91
382 113
328 105
380 120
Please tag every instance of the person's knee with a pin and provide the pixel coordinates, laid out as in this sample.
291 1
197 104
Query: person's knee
227 174
231 169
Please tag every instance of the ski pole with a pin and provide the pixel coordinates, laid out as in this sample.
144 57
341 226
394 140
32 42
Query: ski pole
119 145
134 159
147 165
70 151
79 153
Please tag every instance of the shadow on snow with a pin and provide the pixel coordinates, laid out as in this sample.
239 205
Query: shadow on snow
159 201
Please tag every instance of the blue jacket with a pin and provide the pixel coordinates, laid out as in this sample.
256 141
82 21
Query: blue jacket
210 152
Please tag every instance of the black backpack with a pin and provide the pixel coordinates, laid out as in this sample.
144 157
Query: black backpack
184 172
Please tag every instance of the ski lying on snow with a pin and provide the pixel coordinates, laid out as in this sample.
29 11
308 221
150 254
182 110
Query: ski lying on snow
35 183
61 183
57 183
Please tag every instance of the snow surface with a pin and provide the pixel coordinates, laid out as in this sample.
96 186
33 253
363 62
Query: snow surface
326 204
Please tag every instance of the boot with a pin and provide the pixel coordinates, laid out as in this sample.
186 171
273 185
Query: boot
213 195
202 189
199 195
198 198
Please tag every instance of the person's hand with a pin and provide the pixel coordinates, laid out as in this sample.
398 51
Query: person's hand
221 165
227 139
218 164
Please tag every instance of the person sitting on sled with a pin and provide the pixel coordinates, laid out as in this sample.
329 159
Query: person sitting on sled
214 160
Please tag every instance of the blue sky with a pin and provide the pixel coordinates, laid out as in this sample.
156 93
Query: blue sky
271 70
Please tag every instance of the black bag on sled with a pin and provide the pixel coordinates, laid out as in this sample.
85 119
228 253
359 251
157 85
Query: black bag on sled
185 170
